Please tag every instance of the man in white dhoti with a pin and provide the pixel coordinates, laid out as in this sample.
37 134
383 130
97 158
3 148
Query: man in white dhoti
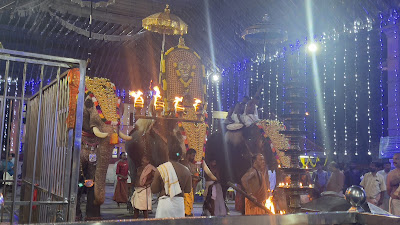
392 183
171 181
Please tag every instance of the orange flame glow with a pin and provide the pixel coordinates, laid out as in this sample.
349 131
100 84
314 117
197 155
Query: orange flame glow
158 103
178 107
282 212
196 104
138 99
270 205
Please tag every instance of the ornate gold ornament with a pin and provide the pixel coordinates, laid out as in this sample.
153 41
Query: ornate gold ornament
185 72
104 98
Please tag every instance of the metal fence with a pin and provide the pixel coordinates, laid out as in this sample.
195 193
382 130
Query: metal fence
50 151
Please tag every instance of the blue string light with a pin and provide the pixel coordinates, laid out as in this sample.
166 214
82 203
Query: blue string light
381 75
305 89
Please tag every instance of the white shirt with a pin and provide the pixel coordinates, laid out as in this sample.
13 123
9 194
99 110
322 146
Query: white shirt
384 174
249 119
373 185
272 179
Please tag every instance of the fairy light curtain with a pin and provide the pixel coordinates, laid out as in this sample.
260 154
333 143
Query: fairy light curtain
352 93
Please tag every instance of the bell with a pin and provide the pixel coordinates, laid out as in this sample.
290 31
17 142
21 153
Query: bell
114 139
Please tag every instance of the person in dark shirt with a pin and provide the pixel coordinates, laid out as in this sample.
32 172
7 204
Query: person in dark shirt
352 176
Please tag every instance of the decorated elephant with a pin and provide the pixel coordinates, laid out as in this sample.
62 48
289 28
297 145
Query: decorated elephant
233 151
149 138
100 133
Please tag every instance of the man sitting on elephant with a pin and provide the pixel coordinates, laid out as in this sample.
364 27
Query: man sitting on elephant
251 113
171 181
255 181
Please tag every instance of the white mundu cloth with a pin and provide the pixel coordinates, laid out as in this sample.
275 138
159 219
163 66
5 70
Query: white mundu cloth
170 207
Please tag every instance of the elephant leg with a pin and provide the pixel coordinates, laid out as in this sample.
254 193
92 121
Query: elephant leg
92 210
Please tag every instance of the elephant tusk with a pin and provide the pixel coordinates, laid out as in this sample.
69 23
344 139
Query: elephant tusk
98 133
124 136
208 171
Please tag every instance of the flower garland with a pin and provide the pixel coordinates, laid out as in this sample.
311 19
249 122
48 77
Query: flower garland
187 140
270 129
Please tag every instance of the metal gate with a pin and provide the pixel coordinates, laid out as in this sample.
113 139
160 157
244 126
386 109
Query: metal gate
50 167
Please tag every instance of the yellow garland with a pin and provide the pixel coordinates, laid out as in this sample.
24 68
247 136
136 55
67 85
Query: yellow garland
195 133
271 129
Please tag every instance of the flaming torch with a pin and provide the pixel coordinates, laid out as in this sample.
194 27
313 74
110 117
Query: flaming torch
196 104
158 103
137 99
178 105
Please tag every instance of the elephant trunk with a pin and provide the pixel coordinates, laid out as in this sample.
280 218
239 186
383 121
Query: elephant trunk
103 161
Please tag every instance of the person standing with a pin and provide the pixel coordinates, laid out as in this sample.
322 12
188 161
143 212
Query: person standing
115 172
352 176
189 162
256 183
214 204
141 198
374 185
121 190
387 166
320 178
336 181
171 181
392 184
8 167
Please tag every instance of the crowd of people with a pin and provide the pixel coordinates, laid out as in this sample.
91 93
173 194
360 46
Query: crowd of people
380 181
176 181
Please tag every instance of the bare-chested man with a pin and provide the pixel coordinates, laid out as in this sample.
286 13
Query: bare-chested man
392 184
179 181
189 162
255 181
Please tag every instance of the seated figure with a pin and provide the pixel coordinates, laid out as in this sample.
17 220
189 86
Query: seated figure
251 112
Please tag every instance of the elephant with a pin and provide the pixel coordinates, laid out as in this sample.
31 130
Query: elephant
233 151
149 138
99 135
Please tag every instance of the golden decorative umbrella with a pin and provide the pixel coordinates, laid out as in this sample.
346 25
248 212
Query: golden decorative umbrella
164 23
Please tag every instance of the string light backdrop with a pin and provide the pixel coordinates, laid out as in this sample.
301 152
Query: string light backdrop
351 83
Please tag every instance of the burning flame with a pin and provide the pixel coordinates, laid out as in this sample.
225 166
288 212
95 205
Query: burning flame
270 205
138 99
177 106
282 212
196 104
158 104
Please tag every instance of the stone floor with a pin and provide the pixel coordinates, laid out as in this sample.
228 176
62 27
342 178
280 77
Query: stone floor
110 209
